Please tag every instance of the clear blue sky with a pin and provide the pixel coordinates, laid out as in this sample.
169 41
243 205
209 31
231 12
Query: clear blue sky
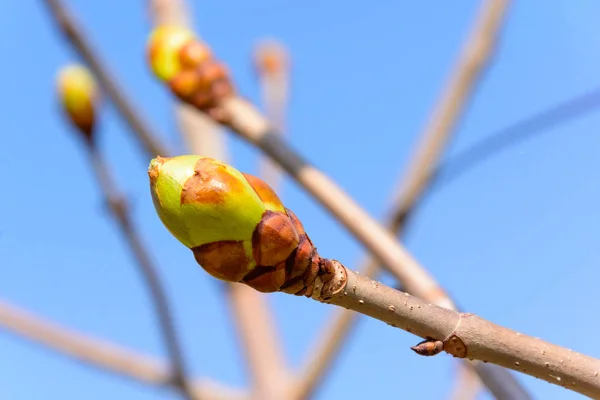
515 239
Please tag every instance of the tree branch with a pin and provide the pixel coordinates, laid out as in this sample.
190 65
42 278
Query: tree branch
468 336
102 354
475 56
120 212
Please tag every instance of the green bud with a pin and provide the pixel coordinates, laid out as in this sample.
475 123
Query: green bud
233 222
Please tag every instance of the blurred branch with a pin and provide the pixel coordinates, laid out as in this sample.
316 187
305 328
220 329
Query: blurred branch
199 132
75 36
260 342
100 353
514 134
272 65
121 214
468 385
475 56
255 324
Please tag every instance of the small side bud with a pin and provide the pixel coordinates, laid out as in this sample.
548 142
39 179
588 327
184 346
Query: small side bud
428 347
164 47
78 95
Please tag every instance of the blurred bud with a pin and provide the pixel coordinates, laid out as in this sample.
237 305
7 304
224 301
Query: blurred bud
164 48
78 95
194 53
271 58
236 226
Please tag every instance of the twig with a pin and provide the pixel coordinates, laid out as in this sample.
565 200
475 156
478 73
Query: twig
260 342
466 335
73 33
475 56
101 354
514 134
120 212
272 67
199 132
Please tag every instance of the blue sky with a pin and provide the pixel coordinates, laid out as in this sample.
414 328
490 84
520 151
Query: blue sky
514 239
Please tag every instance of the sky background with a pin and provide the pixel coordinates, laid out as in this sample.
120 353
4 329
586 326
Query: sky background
514 239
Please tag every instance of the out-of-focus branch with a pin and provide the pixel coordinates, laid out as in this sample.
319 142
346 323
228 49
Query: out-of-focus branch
260 342
79 97
120 212
199 132
468 384
514 134
255 323
475 56
75 36
101 354
272 66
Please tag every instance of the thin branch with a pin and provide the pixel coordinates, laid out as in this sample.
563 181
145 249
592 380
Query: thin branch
475 56
514 134
260 342
273 70
466 335
75 36
199 132
100 353
149 273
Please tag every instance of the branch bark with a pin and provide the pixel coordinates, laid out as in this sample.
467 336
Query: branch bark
102 354
462 335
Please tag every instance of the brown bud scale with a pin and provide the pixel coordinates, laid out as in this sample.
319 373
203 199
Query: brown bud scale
224 260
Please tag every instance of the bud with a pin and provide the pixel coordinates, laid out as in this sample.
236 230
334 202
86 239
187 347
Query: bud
78 95
164 49
271 58
233 227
